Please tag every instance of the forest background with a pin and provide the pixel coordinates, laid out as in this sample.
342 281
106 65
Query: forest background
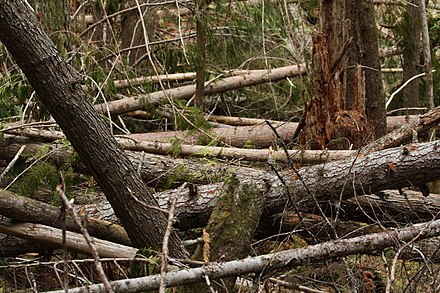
229 112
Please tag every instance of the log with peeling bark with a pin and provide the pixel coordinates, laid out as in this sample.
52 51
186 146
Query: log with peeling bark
74 241
185 92
266 263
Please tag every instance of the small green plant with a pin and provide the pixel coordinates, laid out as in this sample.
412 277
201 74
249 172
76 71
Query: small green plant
176 145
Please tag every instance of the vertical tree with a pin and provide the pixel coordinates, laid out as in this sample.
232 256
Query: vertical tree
411 32
348 105
132 33
58 86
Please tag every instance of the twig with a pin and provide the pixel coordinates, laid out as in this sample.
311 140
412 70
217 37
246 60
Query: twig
12 163
402 87
89 240
295 286
163 267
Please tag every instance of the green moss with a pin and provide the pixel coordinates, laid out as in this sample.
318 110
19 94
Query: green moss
176 175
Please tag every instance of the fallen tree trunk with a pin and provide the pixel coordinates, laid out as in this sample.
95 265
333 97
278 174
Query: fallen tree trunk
332 181
365 174
258 136
185 92
189 150
266 263
25 209
11 246
74 241
406 133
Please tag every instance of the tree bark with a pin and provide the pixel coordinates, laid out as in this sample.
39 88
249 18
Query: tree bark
348 108
363 21
411 54
132 34
320 184
25 209
58 87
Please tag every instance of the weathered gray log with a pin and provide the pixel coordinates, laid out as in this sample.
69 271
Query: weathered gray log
186 92
74 241
269 262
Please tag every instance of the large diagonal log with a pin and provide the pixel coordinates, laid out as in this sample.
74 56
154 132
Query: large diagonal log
58 87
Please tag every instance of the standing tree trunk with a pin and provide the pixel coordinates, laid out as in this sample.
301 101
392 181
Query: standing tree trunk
348 106
58 86
132 34
411 54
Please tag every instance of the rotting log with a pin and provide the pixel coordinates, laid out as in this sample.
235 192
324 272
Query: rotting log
368 173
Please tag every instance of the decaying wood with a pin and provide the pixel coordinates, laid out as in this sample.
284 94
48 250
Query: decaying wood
26 209
269 262
185 92
74 241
